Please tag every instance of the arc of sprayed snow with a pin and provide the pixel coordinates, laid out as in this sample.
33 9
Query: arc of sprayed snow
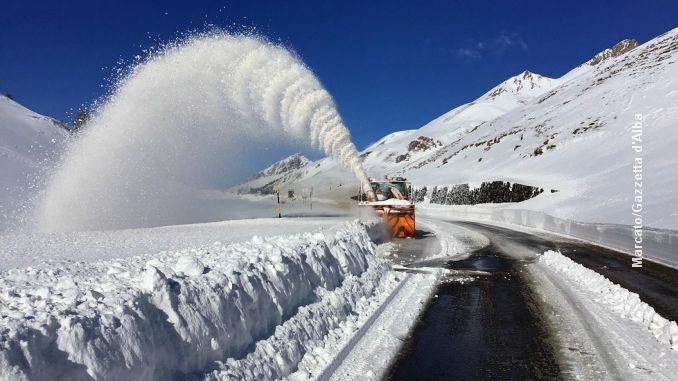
248 84
275 88
290 98
303 104
303 111
325 119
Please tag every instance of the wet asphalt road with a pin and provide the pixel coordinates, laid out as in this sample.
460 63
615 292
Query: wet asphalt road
414 250
490 327
487 328
657 285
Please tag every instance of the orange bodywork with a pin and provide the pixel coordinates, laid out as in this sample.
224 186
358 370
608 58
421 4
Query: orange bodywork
390 198
399 219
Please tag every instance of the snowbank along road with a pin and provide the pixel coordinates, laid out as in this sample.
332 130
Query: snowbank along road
332 300
292 306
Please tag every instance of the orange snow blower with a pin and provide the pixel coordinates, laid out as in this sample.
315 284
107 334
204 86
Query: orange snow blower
391 199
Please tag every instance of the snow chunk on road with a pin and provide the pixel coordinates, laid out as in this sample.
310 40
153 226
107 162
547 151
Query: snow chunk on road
616 298
265 302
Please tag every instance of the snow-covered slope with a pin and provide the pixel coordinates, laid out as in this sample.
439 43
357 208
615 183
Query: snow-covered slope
572 134
404 148
29 142
577 137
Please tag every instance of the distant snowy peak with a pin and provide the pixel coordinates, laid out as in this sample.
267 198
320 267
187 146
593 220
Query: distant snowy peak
506 96
409 148
601 59
289 169
524 85
615 51
284 166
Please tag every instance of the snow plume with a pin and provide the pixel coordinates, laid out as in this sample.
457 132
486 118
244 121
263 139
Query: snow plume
201 114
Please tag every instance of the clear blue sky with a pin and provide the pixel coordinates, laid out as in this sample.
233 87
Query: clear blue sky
390 65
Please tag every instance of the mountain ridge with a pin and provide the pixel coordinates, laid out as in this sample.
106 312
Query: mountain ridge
568 134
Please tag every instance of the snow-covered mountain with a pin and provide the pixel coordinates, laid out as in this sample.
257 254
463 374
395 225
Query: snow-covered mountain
572 134
615 51
576 138
282 167
29 142
285 170
401 149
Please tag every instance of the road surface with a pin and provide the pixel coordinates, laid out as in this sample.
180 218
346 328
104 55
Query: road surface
493 326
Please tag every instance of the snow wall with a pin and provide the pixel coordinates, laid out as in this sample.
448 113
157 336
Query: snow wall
178 314
658 245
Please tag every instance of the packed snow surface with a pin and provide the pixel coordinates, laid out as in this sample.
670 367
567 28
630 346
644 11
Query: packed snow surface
594 328
63 248
616 298
248 310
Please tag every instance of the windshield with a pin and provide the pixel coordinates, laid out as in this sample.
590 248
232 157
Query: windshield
388 190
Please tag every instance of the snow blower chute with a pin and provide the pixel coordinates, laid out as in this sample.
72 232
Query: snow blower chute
391 199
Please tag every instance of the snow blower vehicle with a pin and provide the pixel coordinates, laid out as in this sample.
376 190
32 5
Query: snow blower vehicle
392 201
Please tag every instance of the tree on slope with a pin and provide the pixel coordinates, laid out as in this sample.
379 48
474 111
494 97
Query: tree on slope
81 119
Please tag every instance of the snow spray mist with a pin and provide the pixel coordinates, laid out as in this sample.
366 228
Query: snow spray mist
197 115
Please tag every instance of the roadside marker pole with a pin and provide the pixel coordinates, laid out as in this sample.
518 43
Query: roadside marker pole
277 192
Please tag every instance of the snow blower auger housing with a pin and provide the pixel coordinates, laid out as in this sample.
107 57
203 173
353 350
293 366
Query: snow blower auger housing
391 199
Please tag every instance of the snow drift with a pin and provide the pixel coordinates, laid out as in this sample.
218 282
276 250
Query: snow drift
615 297
183 313
202 114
